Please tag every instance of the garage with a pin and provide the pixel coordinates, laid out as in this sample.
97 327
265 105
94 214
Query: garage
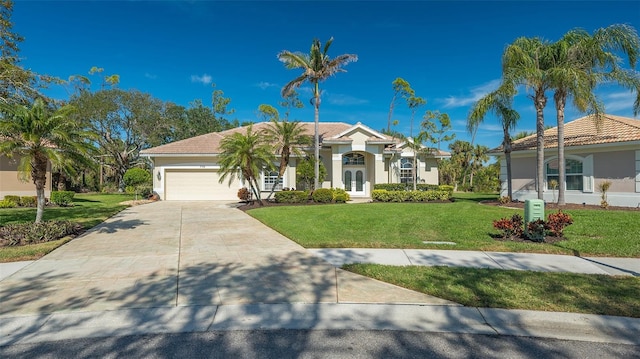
198 185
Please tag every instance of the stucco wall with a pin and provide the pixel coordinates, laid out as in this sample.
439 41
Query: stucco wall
11 185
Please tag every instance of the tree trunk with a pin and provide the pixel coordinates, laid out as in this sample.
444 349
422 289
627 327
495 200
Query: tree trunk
39 176
284 161
540 101
316 136
560 100
507 156
415 171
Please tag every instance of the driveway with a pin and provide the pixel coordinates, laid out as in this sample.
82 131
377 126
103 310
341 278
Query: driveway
173 254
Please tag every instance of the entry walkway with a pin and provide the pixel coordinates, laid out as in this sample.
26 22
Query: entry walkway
171 267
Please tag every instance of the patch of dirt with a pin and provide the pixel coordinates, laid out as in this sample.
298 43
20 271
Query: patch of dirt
245 206
136 202
547 240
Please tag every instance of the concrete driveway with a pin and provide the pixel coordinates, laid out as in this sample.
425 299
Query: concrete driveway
173 254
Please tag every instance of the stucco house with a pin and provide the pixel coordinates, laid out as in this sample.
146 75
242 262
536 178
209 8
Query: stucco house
356 158
10 183
609 151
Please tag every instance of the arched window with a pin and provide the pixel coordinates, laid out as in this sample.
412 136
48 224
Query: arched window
573 173
352 159
406 170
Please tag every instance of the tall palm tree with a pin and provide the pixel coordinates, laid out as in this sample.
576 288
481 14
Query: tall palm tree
499 102
316 67
581 61
287 137
526 62
39 136
245 156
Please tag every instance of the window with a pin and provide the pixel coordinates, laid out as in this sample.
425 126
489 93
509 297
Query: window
573 173
353 159
269 178
406 170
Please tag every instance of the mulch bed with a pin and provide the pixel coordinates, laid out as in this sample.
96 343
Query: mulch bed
554 206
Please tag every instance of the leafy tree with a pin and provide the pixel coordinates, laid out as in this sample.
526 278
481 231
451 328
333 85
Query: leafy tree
316 67
499 102
436 132
17 85
247 155
461 158
401 89
413 102
220 105
487 178
305 172
581 61
124 122
39 135
478 157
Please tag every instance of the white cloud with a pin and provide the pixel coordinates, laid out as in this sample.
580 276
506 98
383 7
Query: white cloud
265 85
619 102
204 79
150 76
476 94
345 100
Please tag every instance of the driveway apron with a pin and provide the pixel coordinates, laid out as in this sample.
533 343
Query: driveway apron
168 254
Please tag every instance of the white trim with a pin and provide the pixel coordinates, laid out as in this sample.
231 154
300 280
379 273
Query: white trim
637 171
362 127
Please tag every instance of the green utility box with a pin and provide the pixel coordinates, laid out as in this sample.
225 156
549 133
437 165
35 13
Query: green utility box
533 210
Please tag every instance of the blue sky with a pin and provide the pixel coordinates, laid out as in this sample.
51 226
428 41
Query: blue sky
449 51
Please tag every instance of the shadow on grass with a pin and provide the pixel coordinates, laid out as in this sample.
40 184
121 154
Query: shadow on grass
235 309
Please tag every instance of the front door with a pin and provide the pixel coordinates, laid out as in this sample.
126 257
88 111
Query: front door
354 181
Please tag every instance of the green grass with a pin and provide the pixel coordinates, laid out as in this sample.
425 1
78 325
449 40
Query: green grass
465 222
510 289
88 210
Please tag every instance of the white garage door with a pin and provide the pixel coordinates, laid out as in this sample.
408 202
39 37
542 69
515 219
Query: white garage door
198 185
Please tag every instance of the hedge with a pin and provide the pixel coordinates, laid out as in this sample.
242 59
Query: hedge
62 198
291 196
382 195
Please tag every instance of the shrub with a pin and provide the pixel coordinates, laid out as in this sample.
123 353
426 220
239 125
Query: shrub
445 187
556 223
413 196
604 187
291 196
137 176
7 203
340 195
322 195
244 194
409 187
28 201
30 233
12 198
504 200
62 198
510 227
536 230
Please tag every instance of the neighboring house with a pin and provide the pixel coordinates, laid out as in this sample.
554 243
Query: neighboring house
355 156
594 153
10 183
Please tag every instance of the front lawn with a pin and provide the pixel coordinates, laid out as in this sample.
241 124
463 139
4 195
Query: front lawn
465 222
511 289
88 210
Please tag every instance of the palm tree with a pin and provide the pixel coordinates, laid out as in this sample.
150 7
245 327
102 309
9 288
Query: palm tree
245 156
581 61
499 102
316 67
478 157
286 137
525 62
40 135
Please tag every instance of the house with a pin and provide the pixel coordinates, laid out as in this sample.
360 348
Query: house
356 158
594 152
11 184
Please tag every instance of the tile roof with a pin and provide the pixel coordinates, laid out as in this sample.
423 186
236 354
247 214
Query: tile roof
210 142
585 131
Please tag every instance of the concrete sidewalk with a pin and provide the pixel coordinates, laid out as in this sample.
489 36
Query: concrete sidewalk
478 259
172 267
